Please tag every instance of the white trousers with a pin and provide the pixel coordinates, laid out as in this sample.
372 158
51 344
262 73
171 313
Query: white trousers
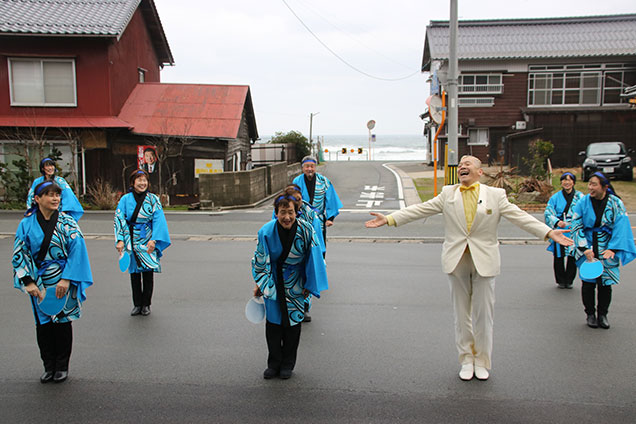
473 298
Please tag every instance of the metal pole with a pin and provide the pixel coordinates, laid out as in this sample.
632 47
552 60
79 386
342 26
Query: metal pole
451 174
311 124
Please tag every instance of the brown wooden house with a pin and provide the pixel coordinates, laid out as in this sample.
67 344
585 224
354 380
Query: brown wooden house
558 79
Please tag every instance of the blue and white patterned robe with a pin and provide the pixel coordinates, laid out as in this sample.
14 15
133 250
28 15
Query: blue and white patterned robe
326 201
304 268
66 258
150 225
68 201
614 233
554 213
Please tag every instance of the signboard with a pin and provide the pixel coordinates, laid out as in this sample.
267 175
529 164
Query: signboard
147 160
372 137
207 166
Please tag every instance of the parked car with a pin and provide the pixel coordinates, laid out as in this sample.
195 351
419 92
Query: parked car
611 158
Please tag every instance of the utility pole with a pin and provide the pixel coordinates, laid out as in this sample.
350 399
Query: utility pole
453 147
311 124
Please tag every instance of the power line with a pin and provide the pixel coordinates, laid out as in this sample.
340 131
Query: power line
339 57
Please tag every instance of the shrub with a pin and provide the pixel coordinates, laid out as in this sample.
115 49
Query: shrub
102 195
540 151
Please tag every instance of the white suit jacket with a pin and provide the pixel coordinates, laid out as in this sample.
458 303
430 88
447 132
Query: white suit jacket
482 239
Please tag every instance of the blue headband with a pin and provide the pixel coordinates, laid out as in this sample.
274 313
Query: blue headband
565 174
285 197
43 161
42 187
308 160
603 178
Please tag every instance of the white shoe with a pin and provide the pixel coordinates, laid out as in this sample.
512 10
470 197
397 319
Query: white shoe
481 373
466 373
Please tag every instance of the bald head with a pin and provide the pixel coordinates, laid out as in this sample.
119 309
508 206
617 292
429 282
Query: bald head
469 170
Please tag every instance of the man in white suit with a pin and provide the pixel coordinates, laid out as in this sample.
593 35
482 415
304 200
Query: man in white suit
470 255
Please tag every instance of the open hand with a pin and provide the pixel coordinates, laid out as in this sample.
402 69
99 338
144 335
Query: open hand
608 254
557 236
379 220
151 246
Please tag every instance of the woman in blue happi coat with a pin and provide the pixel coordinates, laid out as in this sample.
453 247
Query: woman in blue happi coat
141 231
306 213
287 267
50 263
68 201
601 229
557 214
317 190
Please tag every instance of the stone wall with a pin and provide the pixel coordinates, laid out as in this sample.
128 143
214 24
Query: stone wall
245 187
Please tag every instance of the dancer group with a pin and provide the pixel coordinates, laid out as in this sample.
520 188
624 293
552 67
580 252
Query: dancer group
51 265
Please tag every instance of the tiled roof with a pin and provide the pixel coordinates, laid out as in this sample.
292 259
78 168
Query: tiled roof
190 110
611 35
76 17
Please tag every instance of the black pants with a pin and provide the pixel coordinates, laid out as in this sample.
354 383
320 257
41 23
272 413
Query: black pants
604 297
564 274
282 343
55 342
142 296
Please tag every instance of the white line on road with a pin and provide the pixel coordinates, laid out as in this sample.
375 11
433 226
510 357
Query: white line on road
399 184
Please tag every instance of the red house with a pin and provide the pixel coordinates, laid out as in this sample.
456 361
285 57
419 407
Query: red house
70 73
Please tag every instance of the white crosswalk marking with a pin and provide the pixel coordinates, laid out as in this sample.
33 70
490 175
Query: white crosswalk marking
369 197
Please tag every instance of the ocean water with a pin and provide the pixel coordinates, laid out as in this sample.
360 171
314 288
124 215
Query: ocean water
385 147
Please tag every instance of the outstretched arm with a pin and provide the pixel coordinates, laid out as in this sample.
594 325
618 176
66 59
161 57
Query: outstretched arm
379 220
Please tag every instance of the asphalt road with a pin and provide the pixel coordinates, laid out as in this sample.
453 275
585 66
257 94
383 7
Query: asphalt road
380 348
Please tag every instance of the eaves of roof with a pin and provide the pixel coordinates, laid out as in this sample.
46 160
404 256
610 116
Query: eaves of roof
81 18
595 36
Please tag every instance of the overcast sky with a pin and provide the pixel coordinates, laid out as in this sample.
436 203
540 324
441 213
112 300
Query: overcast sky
262 44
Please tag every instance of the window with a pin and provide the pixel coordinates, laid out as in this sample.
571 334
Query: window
579 85
476 101
142 74
42 82
478 137
480 84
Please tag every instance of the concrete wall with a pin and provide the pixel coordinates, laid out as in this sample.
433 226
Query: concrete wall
245 187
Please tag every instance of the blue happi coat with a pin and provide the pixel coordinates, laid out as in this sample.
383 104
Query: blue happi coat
304 268
150 225
614 233
326 201
68 200
554 213
66 258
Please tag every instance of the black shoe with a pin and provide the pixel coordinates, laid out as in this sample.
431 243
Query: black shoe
591 321
60 376
47 377
562 286
270 373
285 374
145 310
135 311
307 317
568 286
603 322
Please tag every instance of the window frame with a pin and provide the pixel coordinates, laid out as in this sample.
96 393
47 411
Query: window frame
463 88
41 60
479 130
554 73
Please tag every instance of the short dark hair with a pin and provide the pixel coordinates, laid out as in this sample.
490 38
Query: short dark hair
150 149
285 200
136 174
